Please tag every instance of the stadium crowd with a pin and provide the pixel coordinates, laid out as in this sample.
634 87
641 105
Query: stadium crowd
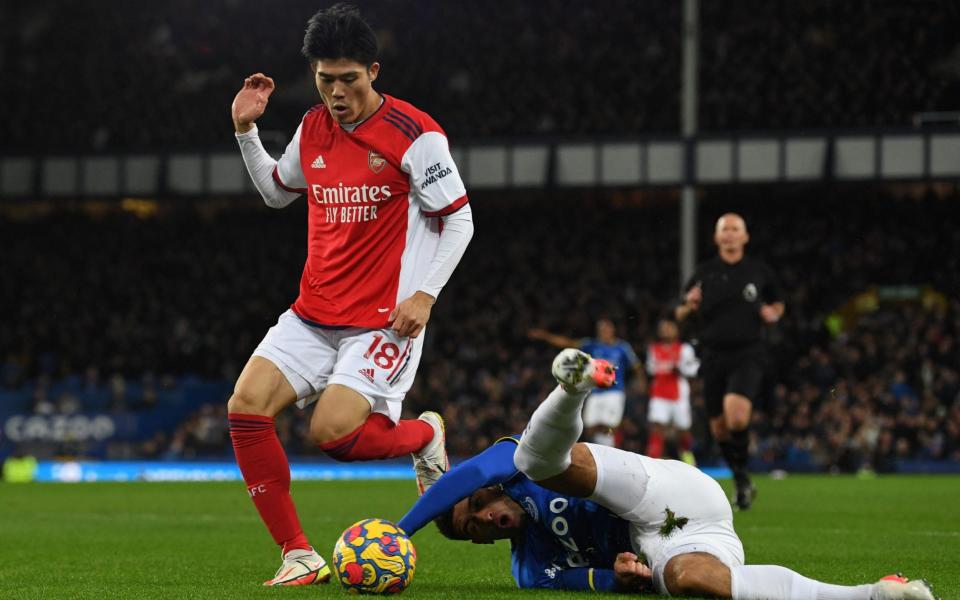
482 69
860 376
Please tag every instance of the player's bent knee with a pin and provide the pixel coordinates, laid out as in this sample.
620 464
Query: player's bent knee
326 428
736 411
697 574
244 402
323 431
261 389
738 422
537 467
338 413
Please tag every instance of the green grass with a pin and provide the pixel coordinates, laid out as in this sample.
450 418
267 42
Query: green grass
204 540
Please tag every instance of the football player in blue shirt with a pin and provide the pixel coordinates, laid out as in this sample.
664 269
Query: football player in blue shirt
604 408
587 516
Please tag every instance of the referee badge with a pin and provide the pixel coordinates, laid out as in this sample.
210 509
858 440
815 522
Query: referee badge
750 292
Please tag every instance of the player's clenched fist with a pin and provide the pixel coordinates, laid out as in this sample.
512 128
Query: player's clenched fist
630 573
251 101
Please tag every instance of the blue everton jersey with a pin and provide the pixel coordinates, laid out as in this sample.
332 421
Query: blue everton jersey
565 537
620 354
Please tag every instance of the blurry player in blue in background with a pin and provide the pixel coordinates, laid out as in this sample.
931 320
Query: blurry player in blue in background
604 408
586 516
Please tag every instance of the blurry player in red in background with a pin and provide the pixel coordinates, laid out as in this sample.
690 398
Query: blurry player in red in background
670 362
388 223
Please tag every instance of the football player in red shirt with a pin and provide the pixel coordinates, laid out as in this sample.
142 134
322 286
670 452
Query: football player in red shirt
388 223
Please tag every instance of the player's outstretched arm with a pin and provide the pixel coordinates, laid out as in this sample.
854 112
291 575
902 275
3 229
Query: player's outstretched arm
554 339
492 466
247 107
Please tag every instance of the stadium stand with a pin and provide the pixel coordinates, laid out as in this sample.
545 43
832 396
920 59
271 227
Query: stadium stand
610 69
114 314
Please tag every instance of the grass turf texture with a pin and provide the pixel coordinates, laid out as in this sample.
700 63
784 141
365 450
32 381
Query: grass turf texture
204 540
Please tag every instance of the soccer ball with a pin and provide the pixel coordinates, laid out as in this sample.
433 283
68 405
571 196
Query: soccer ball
374 556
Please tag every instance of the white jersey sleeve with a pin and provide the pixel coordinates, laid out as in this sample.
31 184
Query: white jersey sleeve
435 182
651 360
289 172
457 231
264 169
689 363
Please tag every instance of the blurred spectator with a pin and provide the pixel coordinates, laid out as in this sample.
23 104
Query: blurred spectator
496 68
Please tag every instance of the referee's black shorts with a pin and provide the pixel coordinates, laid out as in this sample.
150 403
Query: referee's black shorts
730 371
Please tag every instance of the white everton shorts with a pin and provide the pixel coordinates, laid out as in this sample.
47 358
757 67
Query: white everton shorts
672 508
604 407
377 363
667 412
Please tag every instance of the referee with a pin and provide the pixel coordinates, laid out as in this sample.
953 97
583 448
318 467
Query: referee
731 298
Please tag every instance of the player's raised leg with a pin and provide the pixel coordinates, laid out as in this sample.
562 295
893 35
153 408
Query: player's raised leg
357 417
544 452
261 392
344 427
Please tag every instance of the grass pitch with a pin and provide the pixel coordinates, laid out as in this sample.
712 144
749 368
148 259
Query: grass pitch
204 540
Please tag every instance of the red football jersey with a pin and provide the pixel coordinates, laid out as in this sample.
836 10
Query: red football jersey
375 195
671 363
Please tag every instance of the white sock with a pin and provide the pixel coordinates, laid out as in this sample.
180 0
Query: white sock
554 428
771 582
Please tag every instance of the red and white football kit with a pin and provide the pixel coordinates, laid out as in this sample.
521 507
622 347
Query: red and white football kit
376 192
670 364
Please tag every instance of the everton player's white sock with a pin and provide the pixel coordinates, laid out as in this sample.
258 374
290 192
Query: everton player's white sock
554 428
771 582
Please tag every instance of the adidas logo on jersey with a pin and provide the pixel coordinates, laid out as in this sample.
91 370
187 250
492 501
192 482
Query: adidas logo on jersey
318 162
368 373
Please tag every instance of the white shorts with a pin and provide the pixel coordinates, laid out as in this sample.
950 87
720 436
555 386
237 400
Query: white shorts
640 490
604 407
377 363
667 412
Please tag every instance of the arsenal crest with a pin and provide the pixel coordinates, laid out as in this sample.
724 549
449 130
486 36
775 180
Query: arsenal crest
376 162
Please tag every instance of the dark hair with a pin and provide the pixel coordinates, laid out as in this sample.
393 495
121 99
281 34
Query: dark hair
340 32
444 523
